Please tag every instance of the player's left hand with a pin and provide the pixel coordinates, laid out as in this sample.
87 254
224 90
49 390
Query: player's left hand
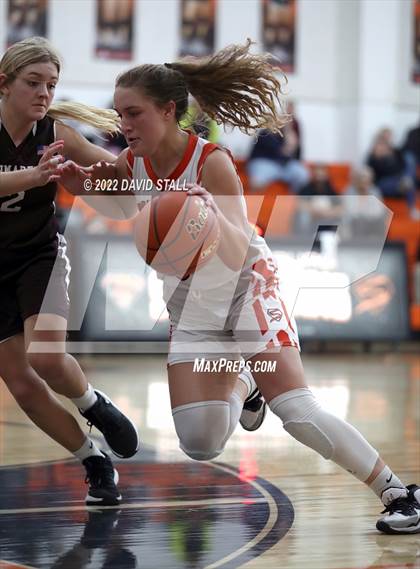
197 190
102 170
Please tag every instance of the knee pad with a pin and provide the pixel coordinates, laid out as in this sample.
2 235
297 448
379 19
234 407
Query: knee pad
334 439
202 428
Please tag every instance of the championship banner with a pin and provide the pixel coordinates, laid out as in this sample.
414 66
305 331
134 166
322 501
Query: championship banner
197 27
26 18
279 19
114 29
416 42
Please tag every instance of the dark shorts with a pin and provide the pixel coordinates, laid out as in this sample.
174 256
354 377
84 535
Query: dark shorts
30 285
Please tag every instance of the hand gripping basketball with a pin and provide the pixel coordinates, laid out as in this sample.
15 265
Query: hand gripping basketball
177 233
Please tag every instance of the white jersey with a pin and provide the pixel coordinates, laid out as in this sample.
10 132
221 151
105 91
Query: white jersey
189 170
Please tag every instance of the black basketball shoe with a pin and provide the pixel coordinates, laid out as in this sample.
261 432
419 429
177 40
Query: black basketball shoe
102 479
254 411
119 432
403 514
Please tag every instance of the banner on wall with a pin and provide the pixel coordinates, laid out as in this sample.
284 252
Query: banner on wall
279 19
197 27
416 42
26 18
114 29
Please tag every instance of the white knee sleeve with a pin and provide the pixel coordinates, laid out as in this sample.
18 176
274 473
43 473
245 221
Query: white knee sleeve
235 409
305 419
202 428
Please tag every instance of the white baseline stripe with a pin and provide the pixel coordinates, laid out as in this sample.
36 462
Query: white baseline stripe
272 518
138 505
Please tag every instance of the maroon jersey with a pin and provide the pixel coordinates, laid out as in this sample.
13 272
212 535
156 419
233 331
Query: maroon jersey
27 219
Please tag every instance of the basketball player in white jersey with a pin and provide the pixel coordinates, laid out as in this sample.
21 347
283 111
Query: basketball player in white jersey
31 143
240 89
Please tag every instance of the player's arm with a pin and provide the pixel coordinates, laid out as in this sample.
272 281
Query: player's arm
120 204
79 149
46 171
100 165
114 202
97 163
79 152
220 179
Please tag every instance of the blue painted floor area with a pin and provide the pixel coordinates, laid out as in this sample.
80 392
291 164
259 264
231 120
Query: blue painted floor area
174 515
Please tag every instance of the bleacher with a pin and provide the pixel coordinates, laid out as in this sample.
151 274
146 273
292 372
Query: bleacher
403 228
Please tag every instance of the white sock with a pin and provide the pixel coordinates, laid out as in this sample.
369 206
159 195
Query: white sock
235 408
387 486
86 401
87 449
246 377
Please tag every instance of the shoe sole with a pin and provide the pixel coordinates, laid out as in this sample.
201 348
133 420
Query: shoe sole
128 419
258 424
93 502
385 528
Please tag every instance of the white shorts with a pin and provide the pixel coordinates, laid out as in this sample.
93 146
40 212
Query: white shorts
231 321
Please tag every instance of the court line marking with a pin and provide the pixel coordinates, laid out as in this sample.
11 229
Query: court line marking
11 565
138 505
267 498
272 518
408 565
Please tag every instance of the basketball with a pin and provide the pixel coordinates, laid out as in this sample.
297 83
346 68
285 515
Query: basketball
176 233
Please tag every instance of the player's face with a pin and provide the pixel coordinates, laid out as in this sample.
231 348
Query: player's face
143 123
31 93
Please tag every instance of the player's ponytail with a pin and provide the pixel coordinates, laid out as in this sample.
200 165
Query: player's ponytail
233 87
105 120
39 50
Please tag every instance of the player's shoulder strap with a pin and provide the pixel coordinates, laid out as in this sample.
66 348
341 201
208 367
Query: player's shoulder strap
207 150
130 163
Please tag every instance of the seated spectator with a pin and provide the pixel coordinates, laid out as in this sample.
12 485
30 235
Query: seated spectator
363 217
318 203
276 158
412 146
394 170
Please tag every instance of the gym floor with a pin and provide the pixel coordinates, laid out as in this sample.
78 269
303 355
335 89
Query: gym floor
267 502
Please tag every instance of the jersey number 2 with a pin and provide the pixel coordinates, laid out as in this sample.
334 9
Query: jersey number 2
8 205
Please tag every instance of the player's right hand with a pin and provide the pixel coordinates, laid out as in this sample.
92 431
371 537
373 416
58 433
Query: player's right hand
102 170
48 167
73 177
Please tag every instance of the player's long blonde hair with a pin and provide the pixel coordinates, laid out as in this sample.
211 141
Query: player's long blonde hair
233 87
39 50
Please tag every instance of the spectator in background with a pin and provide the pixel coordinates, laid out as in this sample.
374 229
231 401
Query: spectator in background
363 217
412 146
276 158
394 170
196 120
318 203
295 129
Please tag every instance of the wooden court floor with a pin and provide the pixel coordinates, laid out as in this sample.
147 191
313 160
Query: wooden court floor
267 502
